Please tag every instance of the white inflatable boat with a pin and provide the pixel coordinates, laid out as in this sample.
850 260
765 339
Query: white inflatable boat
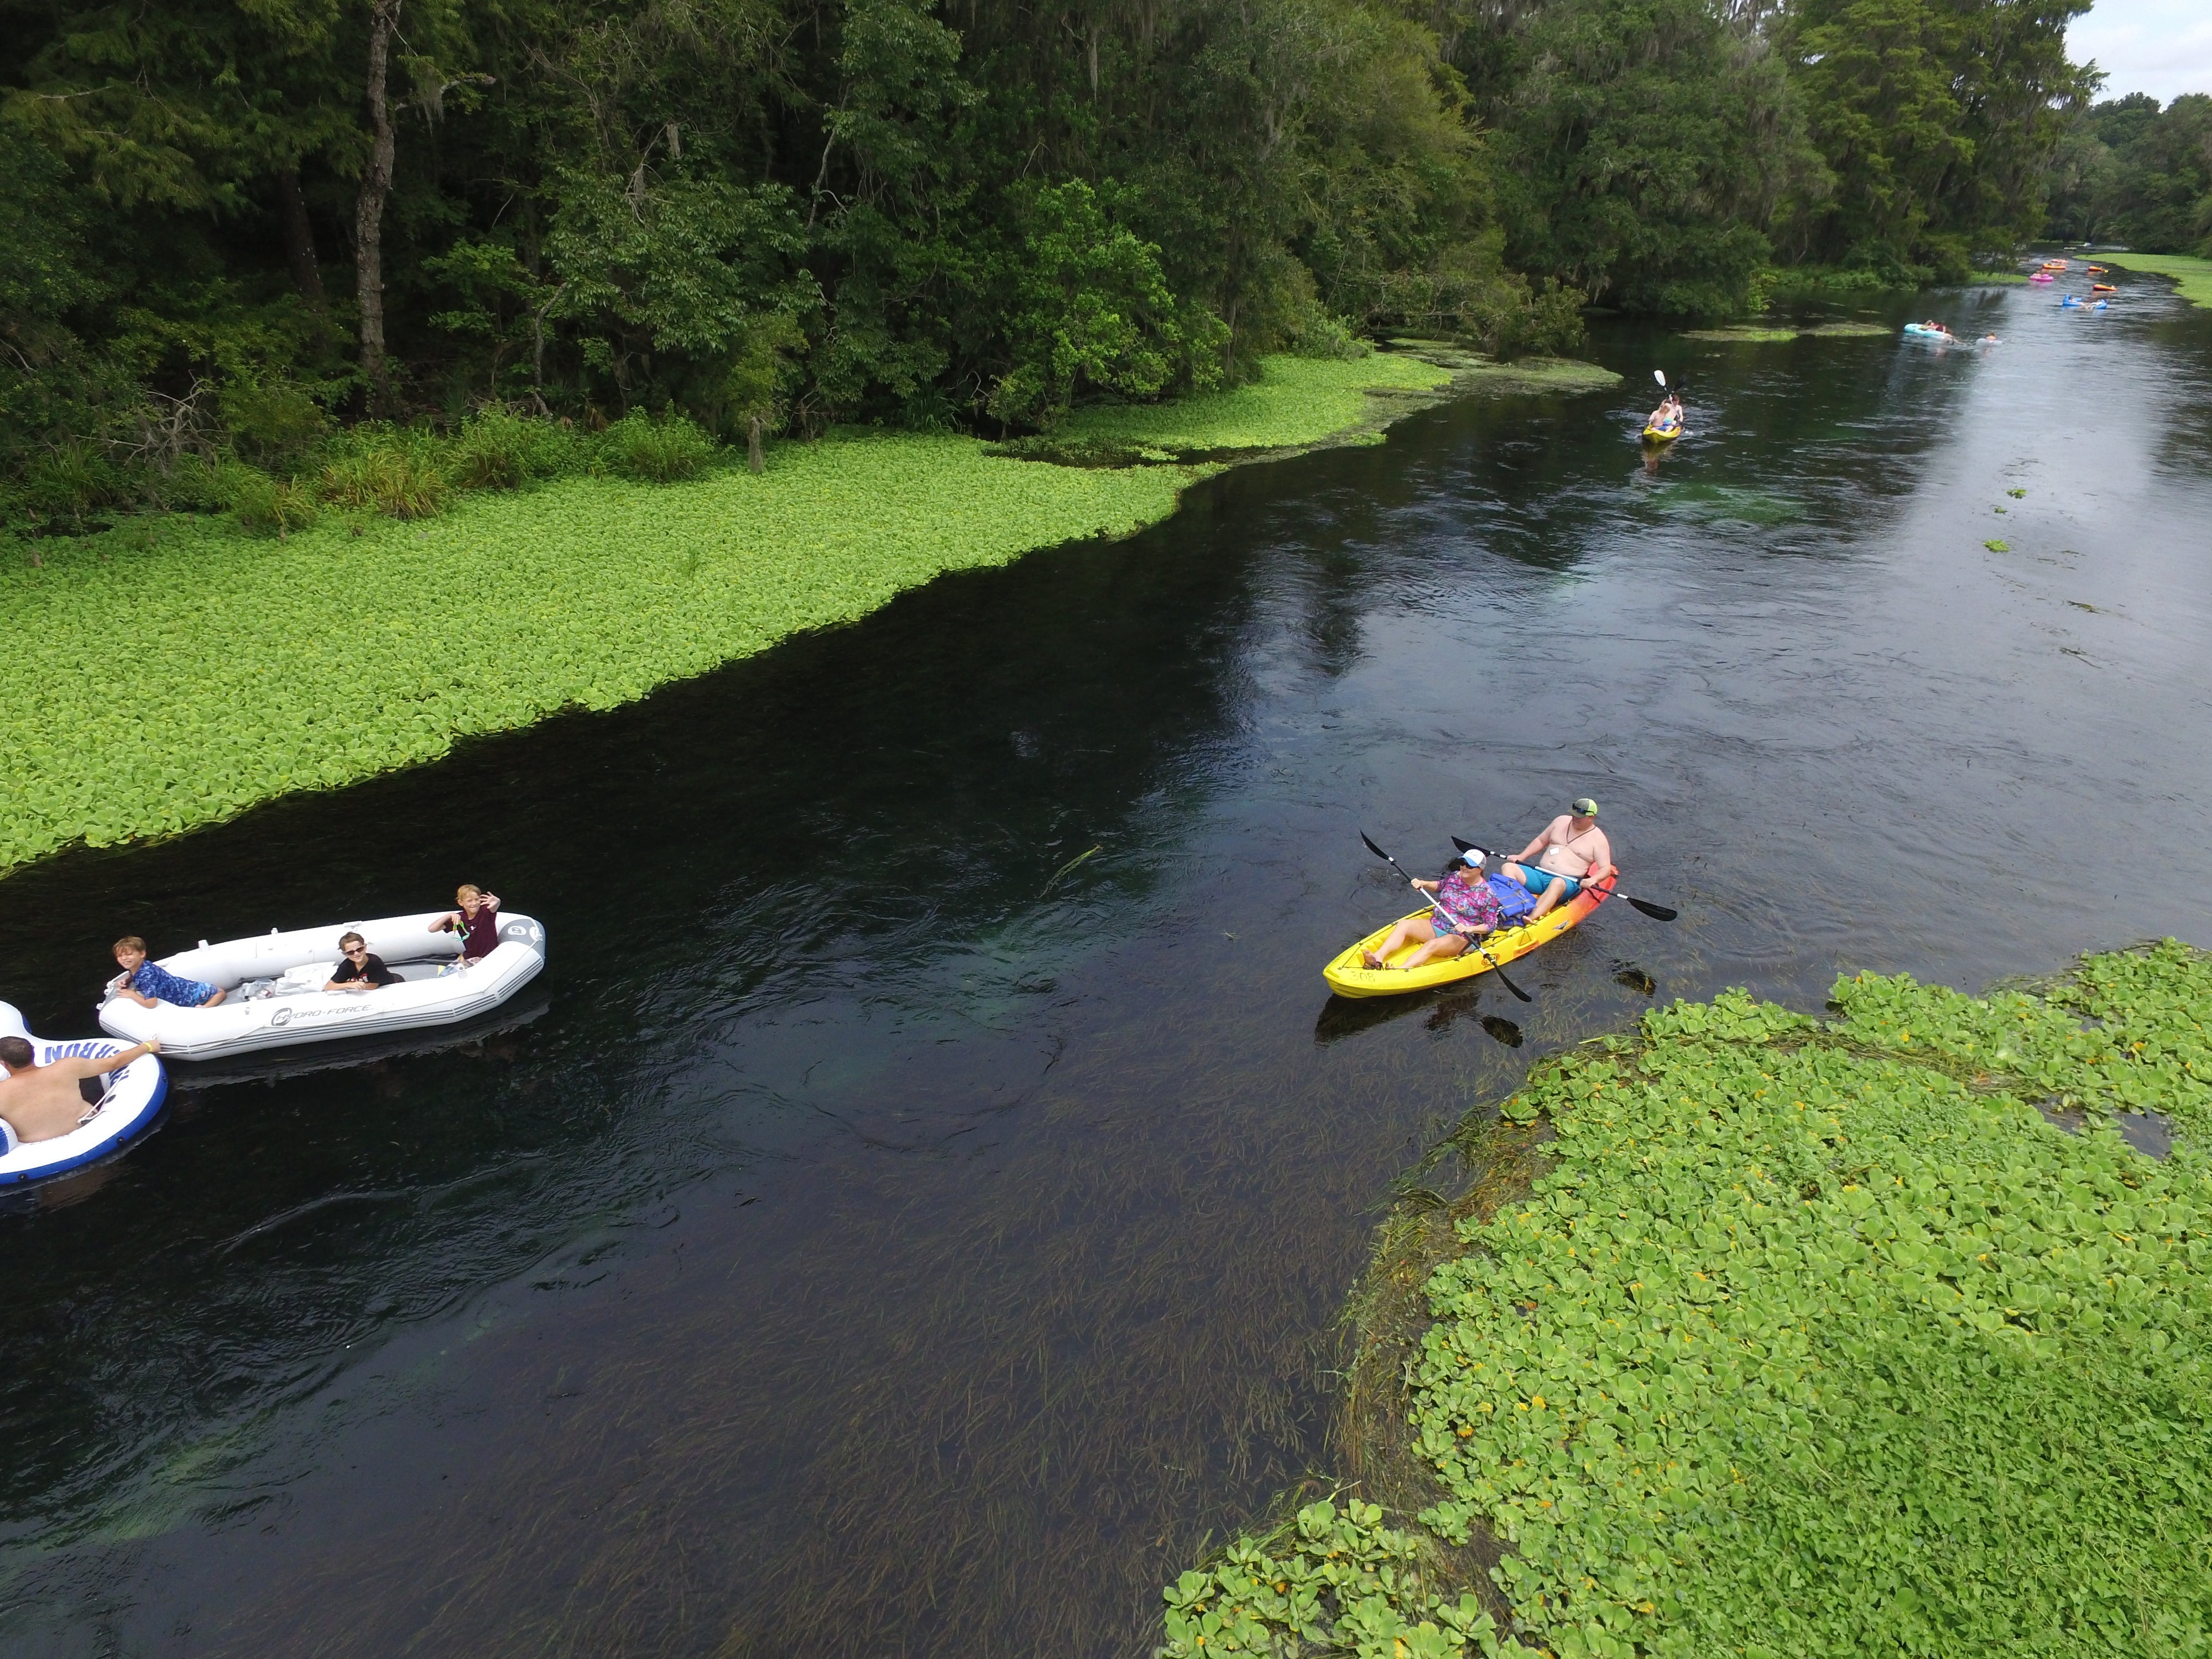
276 981
125 1111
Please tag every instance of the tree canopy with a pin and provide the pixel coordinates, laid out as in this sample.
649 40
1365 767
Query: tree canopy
777 215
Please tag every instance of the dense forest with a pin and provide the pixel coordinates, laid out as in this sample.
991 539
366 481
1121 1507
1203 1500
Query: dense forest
2129 172
236 226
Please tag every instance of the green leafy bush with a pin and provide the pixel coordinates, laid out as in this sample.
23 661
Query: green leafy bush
656 450
498 449
400 475
270 507
70 480
273 424
1818 1338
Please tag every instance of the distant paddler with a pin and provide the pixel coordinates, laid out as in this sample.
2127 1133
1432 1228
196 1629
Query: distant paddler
1666 420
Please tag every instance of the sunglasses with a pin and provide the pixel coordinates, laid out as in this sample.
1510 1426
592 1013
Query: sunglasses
356 950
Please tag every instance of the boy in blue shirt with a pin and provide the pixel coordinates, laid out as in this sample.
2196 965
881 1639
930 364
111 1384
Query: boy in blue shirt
148 982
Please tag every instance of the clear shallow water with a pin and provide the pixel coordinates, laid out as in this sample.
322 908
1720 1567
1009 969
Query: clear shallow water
856 1248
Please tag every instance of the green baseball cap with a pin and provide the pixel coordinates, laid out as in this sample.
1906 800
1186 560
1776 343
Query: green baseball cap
1584 807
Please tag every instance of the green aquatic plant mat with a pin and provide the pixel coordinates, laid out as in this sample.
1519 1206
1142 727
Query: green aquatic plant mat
1764 333
150 688
2192 277
1744 334
1817 1338
1295 402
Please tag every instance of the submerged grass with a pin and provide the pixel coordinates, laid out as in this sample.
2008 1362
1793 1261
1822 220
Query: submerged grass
1810 1337
169 677
2192 277
1770 333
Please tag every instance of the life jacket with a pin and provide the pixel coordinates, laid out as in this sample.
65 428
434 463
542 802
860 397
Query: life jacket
1514 902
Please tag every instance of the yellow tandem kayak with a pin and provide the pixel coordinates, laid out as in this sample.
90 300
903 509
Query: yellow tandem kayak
1348 977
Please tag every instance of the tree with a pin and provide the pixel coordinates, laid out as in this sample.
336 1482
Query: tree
1091 309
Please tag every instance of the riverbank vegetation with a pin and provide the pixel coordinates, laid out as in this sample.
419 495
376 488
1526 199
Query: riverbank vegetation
1767 1334
2192 278
2129 172
233 228
413 591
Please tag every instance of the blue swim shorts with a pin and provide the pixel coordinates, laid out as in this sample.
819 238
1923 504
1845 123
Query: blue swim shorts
1540 881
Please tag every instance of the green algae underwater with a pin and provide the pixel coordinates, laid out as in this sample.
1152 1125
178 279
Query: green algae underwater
1767 1334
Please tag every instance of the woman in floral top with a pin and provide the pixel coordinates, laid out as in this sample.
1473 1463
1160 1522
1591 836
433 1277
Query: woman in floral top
1465 910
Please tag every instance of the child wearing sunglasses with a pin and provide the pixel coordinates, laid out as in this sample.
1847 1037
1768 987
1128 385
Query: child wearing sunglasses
358 970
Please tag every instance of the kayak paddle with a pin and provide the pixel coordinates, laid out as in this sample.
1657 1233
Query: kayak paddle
1656 912
1473 945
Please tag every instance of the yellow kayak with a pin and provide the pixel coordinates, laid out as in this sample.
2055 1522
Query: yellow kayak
1348 977
1662 434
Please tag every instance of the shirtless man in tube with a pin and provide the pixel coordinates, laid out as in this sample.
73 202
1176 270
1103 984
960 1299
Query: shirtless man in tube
1552 866
41 1102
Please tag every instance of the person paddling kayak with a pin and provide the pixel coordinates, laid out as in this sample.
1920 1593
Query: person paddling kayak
1667 416
1465 910
1568 848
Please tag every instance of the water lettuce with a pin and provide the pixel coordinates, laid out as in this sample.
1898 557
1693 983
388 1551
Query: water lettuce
173 673
1815 1338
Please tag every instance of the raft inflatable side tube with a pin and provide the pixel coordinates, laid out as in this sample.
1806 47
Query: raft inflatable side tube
276 981
129 1107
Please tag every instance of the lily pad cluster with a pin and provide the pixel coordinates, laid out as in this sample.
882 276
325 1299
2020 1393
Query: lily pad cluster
1867 1335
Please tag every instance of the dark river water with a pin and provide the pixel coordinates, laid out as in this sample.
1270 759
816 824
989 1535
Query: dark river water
860 1242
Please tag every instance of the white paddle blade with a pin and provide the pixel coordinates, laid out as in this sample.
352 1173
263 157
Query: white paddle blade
1660 375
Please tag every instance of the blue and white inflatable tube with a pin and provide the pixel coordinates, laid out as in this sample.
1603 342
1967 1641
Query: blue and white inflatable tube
127 1110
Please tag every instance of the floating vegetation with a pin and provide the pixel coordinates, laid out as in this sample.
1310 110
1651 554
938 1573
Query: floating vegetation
1742 334
1998 547
1809 1336
1764 333
2192 277
1705 503
1296 402
478 612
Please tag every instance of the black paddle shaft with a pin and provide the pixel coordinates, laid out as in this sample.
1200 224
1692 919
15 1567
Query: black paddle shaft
1656 912
1473 944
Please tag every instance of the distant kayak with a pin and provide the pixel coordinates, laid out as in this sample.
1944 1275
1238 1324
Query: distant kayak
1349 977
2103 287
1663 434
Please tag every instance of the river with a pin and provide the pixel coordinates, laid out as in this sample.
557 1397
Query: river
872 1236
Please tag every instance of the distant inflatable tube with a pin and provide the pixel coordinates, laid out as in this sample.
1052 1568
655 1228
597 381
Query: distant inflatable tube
2103 287
1922 331
2040 276
2071 303
124 1112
